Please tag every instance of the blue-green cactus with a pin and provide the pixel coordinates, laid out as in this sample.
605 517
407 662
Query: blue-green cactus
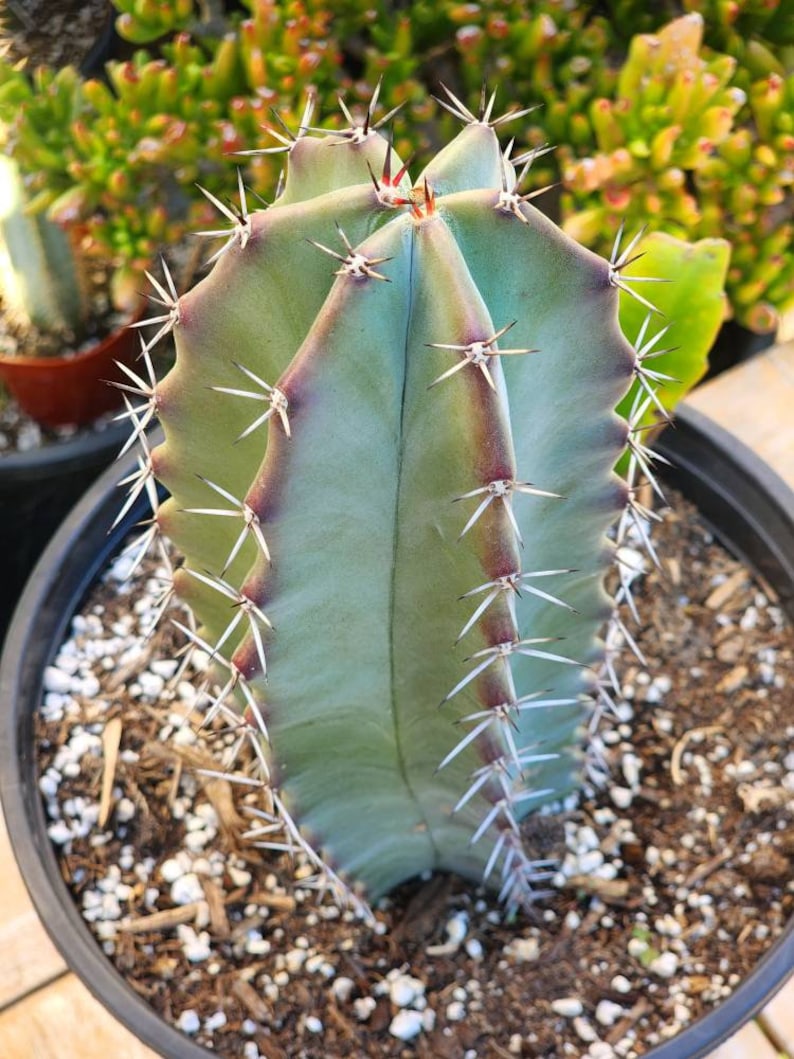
390 442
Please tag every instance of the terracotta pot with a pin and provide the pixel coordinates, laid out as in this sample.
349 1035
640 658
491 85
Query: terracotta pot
74 390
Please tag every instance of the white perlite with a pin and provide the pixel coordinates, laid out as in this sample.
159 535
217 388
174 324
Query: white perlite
568 1006
403 990
363 1007
665 965
189 1022
607 1012
406 1025
186 889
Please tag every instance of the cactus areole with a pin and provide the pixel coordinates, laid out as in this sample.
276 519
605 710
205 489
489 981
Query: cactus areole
390 443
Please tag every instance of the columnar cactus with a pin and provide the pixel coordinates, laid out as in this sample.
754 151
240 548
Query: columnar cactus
390 443
39 281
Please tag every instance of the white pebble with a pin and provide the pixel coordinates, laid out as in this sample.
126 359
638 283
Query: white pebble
456 928
342 988
313 1024
196 947
56 680
406 1025
665 965
456 1011
363 1007
586 839
620 984
238 876
256 945
125 810
584 1029
215 1022
631 767
195 841
171 870
473 947
184 736
637 947
49 783
589 862
403 990
294 960
622 797
607 1012
60 833
188 1021
523 950
187 889
568 1006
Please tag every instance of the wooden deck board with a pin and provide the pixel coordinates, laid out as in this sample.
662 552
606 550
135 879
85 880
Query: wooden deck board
29 958
749 1043
46 1012
63 1021
756 403
777 1018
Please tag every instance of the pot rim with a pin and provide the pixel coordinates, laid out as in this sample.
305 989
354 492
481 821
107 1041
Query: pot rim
712 466
65 361
58 457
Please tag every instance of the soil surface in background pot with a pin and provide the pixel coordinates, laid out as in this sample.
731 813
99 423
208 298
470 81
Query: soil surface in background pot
53 32
672 884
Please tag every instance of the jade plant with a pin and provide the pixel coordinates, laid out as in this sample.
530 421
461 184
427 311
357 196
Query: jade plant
390 441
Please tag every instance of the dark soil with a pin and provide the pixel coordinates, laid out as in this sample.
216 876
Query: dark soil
54 32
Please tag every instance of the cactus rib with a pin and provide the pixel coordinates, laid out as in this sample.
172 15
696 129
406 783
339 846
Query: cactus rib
438 434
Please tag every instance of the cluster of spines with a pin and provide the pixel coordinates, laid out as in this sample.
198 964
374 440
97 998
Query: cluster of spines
520 873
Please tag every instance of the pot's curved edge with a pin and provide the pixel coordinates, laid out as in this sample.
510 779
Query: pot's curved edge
62 456
48 588
729 481
26 652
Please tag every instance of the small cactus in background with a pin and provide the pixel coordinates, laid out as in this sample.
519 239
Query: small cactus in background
390 442
39 282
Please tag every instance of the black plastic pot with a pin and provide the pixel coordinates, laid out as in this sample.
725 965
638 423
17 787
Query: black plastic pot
748 506
734 345
38 489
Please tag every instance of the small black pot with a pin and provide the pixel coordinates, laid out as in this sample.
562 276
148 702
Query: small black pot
38 489
734 345
747 505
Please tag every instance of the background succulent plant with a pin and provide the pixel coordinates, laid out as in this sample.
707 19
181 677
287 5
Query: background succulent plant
699 148
390 442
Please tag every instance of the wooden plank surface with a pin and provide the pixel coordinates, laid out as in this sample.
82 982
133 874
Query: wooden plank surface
63 1021
777 1018
749 1043
46 1012
29 959
755 401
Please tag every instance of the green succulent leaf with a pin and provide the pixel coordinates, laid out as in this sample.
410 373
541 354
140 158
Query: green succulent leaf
692 307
